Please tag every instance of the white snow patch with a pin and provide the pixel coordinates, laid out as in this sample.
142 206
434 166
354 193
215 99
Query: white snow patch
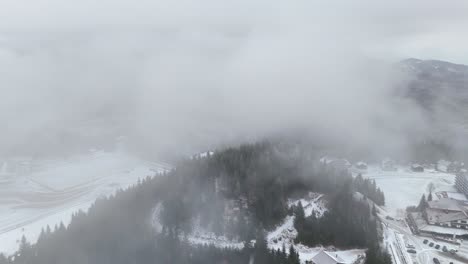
155 220
37 193
285 233
202 155
403 187
201 236
349 256
313 203
209 238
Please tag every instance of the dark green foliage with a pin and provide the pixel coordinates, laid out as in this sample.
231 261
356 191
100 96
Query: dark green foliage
257 180
369 189
422 203
348 222
375 255
429 197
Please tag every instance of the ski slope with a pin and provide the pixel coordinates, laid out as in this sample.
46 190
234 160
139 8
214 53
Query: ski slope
37 193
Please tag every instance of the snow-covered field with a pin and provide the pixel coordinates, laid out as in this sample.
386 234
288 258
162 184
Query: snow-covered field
404 187
37 193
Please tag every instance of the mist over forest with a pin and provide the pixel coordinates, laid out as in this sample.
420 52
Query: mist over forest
185 77
233 132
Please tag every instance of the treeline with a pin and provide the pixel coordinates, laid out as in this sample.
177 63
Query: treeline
118 230
114 230
238 192
368 188
254 181
263 177
348 223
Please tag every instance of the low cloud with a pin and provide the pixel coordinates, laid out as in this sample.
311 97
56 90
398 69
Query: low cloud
185 75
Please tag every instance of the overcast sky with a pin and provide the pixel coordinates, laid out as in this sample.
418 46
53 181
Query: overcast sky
428 29
172 73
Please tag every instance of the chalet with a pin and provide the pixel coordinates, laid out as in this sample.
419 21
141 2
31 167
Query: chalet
388 165
417 168
442 165
361 165
455 167
324 257
447 212
340 164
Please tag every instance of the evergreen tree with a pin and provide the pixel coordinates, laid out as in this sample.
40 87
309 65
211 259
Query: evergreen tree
422 203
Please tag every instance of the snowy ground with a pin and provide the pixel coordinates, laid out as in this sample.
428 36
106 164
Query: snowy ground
403 187
37 193
209 238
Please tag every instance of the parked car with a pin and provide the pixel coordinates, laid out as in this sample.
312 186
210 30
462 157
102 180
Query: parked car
436 261
437 246
425 241
431 244
411 251
444 249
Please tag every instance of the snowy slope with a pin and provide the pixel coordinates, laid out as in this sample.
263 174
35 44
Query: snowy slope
404 187
37 193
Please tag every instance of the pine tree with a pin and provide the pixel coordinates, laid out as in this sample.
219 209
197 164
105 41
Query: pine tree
374 210
422 203
299 214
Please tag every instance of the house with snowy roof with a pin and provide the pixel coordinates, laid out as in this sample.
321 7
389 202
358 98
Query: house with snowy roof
448 212
324 257
417 168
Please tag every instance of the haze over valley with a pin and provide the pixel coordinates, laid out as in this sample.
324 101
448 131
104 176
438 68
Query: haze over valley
233 132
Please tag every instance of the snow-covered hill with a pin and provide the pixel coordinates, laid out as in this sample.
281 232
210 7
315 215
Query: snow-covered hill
36 193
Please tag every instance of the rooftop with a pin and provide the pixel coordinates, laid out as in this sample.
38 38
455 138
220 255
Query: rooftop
324 257
446 204
437 216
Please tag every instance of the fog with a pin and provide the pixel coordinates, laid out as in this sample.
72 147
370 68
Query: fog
185 76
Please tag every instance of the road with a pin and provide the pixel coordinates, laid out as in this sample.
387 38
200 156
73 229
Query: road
422 256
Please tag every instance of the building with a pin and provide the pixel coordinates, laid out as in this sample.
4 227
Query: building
455 167
361 165
324 257
447 212
417 168
442 165
461 183
388 165
336 164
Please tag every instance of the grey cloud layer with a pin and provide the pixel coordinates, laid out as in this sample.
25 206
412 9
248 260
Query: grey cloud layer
190 74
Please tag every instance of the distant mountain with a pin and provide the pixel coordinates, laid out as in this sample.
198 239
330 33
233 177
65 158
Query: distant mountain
433 82
441 89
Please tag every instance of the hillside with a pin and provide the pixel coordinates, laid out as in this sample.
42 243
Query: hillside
440 89
256 195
